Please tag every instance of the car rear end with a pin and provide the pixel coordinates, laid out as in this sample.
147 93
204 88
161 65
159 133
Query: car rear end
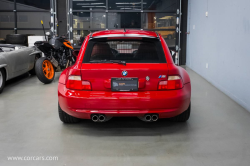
124 76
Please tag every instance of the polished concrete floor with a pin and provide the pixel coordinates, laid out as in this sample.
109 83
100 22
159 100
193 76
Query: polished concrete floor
217 134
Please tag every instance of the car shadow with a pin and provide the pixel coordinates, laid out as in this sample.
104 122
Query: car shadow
17 80
126 126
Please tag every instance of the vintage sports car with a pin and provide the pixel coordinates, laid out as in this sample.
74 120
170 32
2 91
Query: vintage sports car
16 60
124 73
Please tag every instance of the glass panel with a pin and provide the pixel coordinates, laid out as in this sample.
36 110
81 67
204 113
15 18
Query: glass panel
124 5
7 5
33 4
124 20
33 19
169 36
132 51
158 21
79 35
164 5
7 20
88 20
89 4
3 33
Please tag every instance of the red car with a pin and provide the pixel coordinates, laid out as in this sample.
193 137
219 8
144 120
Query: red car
124 73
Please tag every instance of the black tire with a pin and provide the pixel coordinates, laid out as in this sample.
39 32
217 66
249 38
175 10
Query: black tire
39 71
17 39
183 117
66 118
2 80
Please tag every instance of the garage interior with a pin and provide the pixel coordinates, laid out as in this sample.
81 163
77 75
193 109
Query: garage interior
211 45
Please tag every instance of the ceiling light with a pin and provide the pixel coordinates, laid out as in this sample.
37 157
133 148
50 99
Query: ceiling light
126 8
94 6
127 3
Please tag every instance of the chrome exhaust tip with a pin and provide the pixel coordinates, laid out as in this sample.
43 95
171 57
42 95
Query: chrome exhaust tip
155 117
102 118
95 118
148 118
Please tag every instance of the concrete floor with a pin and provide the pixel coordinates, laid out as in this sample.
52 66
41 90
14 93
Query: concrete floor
217 134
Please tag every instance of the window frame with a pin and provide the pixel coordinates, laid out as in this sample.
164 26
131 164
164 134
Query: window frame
120 11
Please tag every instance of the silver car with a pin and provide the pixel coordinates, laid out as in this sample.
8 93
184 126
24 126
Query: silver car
16 60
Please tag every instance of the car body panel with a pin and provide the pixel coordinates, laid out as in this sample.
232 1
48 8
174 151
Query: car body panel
101 100
19 61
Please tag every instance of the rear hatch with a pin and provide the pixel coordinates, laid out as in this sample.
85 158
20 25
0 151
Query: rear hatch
122 62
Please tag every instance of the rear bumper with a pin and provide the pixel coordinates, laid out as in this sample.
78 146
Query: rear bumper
82 104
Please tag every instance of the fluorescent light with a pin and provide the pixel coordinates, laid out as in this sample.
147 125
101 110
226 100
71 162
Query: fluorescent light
94 6
129 6
89 4
129 3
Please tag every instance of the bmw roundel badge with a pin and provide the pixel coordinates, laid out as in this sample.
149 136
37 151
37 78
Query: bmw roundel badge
124 73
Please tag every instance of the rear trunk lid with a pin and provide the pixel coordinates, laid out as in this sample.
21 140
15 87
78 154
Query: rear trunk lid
100 74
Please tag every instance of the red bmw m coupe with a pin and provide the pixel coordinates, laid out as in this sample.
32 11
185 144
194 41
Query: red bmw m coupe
124 73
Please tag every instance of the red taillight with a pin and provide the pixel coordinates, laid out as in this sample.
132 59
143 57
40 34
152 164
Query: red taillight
76 83
163 85
173 82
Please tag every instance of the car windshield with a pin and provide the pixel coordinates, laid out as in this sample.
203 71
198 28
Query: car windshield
129 51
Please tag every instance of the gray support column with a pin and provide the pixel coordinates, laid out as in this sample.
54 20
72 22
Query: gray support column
70 21
15 16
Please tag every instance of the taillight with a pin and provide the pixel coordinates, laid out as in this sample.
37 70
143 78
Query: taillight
173 82
76 83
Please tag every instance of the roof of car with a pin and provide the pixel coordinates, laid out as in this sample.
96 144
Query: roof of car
125 33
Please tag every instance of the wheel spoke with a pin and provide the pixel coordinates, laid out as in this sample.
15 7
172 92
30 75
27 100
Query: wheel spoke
48 69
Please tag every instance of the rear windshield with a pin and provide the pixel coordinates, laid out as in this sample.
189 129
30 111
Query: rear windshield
130 51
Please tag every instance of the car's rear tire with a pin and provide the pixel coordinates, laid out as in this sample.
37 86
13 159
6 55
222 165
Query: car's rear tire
66 118
183 117
45 71
2 79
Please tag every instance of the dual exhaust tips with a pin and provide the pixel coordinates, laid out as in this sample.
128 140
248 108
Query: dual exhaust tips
151 117
98 118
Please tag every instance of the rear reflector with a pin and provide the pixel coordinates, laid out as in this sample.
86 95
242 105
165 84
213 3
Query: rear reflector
174 82
76 83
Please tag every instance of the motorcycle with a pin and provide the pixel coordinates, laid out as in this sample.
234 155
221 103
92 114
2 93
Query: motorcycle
59 55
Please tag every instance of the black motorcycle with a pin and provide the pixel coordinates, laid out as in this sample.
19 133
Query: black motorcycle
58 55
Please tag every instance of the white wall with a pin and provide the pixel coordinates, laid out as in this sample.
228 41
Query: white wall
223 41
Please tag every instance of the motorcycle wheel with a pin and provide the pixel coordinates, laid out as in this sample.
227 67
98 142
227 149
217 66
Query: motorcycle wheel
45 71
